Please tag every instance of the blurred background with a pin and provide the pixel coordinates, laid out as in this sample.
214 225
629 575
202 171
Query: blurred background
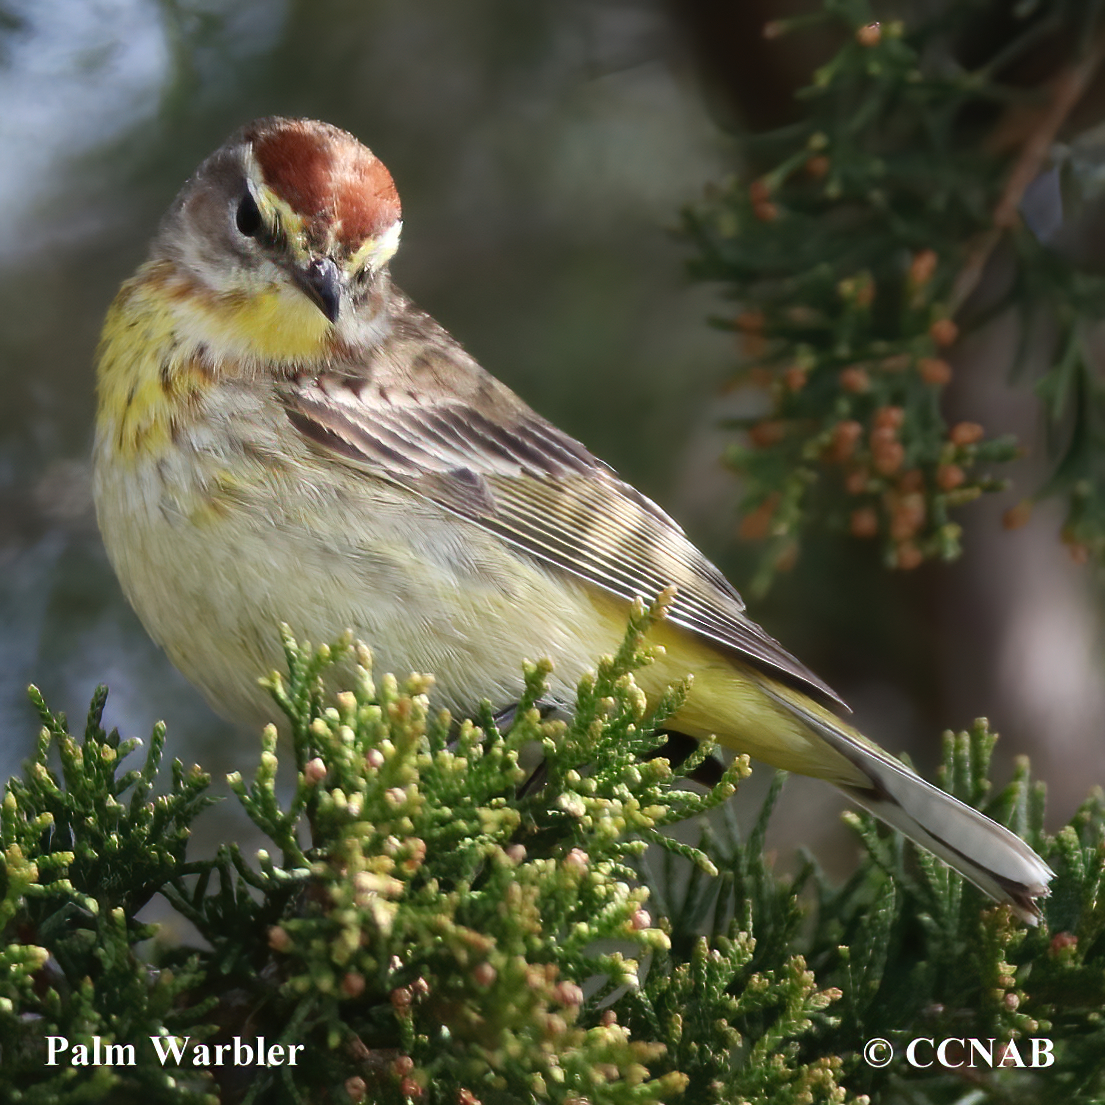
543 152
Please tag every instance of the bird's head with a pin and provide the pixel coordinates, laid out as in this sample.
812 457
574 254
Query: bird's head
283 236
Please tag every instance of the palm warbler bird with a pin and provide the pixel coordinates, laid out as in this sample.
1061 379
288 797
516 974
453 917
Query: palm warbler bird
283 436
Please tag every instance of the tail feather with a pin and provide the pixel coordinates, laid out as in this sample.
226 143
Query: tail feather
994 859
997 861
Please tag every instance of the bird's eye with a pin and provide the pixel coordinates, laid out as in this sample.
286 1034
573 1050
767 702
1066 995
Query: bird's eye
248 218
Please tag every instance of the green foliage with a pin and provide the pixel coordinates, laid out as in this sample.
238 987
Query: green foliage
81 855
865 230
433 924
905 948
429 930
453 919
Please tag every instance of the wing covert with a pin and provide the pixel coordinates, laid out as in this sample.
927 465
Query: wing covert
518 476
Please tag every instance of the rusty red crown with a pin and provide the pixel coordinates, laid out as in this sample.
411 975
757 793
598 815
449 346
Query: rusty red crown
327 177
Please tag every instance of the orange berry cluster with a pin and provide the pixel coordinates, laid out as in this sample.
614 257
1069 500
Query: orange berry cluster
762 206
904 493
906 505
880 423
898 501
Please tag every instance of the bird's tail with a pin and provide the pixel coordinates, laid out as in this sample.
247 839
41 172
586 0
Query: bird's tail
989 855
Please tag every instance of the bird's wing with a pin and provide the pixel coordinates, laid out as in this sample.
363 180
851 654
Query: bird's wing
487 457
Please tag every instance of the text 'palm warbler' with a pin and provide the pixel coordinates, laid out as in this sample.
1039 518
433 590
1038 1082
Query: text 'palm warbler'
282 436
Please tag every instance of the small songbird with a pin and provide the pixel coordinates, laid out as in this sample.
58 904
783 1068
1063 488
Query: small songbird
283 437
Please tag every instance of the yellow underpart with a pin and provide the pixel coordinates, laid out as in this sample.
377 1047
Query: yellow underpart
277 324
164 342
141 377
730 701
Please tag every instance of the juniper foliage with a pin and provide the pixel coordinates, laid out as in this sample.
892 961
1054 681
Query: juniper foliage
433 926
865 238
